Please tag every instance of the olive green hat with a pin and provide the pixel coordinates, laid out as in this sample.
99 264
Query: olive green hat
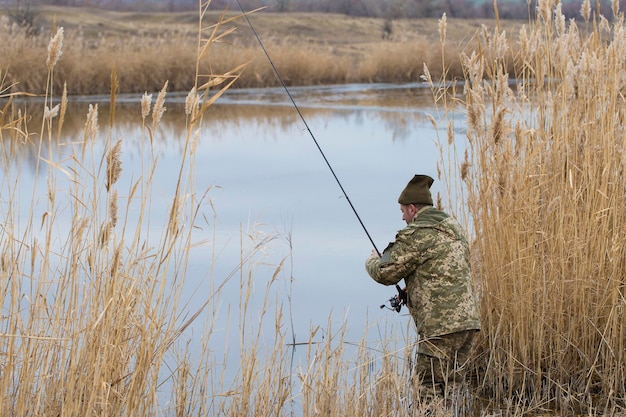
417 191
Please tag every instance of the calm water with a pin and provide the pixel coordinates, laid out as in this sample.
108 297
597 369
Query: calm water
266 174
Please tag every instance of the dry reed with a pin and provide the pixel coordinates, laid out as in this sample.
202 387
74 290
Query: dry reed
90 300
545 184
142 59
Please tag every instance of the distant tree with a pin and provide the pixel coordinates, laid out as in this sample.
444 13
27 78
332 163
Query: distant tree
386 9
515 9
387 29
344 6
460 9
282 5
60 2
24 13
484 10
351 7
400 9
426 8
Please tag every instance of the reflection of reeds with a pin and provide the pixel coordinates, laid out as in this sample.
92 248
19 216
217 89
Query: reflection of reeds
55 49
222 116
545 197
114 165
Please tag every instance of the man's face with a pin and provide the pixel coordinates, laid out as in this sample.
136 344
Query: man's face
408 211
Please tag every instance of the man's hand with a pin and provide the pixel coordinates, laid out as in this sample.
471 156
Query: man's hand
402 295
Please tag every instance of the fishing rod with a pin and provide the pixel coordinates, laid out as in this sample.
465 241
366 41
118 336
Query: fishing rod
319 148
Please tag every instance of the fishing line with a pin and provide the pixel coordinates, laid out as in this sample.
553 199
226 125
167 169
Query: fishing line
319 148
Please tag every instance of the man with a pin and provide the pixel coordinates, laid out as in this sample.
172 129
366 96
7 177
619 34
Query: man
432 255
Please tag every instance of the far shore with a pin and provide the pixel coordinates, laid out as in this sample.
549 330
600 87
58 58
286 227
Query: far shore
145 50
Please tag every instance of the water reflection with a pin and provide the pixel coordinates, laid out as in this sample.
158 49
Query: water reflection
263 172
394 106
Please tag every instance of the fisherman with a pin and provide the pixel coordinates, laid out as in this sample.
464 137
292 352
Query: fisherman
432 255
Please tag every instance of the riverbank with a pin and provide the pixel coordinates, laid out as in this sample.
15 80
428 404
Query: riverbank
146 49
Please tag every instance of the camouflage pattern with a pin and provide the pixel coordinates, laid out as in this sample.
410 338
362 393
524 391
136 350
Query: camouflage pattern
432 255
440 365
441 362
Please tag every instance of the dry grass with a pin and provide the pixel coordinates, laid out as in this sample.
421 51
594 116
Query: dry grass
91 298
545 184
144 49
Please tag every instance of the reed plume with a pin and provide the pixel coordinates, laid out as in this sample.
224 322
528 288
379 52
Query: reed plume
91 124
191 103
114 165
55 49
443 26
159 107
146 102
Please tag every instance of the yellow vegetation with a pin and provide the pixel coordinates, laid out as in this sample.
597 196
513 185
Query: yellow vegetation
87 306
145 49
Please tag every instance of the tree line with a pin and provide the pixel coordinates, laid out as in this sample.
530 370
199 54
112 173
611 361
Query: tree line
387 9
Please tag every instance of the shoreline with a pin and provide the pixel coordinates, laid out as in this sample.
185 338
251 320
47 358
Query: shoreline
145 50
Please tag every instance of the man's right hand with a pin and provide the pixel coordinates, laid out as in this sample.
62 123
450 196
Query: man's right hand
402 295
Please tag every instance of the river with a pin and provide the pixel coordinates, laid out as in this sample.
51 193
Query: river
268 173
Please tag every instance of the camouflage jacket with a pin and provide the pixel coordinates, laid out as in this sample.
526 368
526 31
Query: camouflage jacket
432 255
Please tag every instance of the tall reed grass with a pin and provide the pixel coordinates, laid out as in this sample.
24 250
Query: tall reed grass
91 283
144 57
544 181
